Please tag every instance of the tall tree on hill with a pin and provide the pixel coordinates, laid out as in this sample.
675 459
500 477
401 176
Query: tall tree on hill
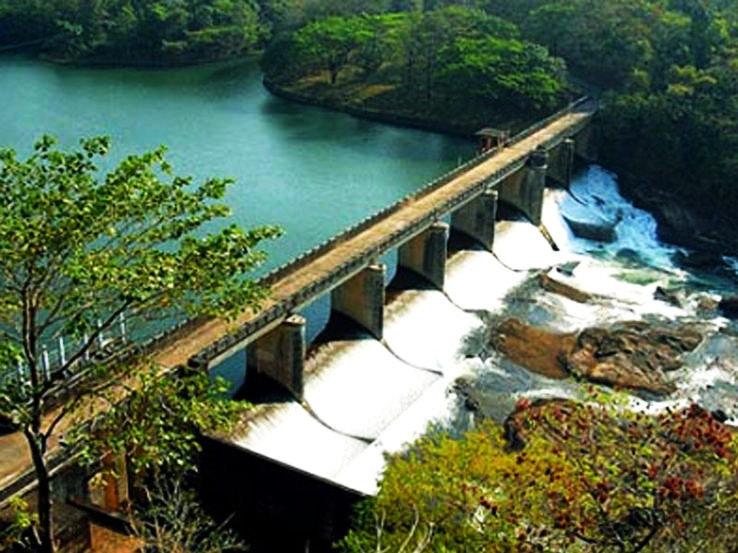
328 43
77 250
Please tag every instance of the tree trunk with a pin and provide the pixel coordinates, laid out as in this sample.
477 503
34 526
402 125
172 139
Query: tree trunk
46 521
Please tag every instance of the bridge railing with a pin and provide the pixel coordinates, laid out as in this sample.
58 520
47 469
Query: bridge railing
294 301
356 263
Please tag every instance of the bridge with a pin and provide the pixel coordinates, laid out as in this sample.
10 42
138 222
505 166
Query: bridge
348 265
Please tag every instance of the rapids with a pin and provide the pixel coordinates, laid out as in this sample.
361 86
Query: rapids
365 397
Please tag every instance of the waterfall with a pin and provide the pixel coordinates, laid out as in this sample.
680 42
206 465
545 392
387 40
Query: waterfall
364 396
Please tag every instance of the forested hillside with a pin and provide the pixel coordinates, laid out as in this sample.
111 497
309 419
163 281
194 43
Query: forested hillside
666 69
669 70
133 31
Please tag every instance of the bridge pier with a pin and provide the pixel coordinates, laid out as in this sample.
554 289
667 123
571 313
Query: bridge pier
361 298
586 144
426 253
280 355
561 162
524 190
477 218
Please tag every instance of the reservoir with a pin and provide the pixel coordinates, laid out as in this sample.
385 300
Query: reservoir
312 171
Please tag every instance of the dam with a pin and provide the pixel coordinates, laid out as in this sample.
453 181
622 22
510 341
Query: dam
348 269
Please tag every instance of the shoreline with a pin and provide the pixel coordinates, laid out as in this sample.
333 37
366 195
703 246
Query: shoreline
110 63
689 229
416 122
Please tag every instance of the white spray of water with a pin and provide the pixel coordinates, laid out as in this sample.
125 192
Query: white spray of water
365 397
595 196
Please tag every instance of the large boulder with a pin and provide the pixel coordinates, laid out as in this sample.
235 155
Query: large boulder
555 286
729 306
594 228
672 296
633 356
628 355
535 349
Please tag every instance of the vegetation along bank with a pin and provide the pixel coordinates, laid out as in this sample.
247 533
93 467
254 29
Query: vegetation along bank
666 71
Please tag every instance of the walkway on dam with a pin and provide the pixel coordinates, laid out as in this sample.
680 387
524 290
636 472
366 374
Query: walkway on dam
179 348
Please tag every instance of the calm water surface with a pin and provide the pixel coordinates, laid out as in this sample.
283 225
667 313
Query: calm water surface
310 170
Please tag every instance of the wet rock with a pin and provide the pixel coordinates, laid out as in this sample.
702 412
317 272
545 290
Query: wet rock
466 390
699 260
629 257
482 403
532 348
706 304
671 296
596 228
728 306
563 289
632 355
567 269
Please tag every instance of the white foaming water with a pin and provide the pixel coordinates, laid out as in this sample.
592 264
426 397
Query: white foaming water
594 195
427 329
288 433
368 397
476 280
521 247
364 397
359 387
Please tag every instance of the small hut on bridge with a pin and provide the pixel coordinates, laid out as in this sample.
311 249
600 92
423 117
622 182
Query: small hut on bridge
489 138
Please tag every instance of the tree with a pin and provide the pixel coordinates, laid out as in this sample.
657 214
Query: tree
506 70
331 41
174 521
157 432
575 477
78 250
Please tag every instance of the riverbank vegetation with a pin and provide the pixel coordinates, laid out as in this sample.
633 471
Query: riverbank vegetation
561 476
454 64
669 73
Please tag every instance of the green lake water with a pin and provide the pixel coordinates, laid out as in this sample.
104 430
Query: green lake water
310 170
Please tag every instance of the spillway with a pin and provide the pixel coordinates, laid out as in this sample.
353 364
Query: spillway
365 397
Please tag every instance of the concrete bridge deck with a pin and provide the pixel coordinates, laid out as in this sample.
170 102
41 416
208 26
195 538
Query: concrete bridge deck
299 286
376 239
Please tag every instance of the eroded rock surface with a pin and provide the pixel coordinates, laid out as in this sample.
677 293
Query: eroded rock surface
628 355
535 349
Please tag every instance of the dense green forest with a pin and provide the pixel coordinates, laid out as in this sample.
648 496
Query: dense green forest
451 56
669 72
131 31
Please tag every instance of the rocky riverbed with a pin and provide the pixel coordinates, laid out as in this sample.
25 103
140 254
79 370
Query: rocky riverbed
626 314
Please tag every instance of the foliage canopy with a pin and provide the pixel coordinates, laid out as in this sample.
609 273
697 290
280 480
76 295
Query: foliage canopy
78 250
588 478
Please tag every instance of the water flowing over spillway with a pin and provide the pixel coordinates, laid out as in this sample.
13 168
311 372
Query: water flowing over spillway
364 397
